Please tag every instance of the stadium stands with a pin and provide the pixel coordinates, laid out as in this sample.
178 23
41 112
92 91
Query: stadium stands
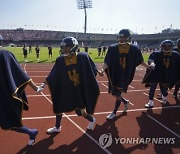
43 38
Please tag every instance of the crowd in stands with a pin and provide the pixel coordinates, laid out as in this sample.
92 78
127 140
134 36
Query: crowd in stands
29 35
20 36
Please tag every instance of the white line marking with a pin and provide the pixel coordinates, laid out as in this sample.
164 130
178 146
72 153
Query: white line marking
35 118
38 71
131 87
136 80
104 85
39 76
102 113
164 126
25 68
38 95
104 92
138 90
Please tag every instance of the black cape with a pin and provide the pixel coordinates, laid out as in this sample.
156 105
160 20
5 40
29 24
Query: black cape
12 95
122 65
167 69
72 84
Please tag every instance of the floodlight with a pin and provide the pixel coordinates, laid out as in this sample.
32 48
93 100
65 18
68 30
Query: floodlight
84 4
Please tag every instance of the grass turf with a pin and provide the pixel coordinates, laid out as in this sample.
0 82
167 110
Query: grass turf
44 57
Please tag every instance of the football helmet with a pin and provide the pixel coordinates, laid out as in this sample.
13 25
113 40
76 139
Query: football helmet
178 42
167 45
70 42
124 36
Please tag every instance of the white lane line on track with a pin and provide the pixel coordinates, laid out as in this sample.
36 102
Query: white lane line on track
163 126
38 71
39 76
102 113
89 136
131 87
104 85
25 68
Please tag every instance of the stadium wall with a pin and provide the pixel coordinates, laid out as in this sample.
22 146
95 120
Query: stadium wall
44 38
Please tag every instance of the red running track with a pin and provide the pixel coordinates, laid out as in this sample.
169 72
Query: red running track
160 127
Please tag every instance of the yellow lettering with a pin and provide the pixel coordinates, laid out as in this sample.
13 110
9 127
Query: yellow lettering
74 77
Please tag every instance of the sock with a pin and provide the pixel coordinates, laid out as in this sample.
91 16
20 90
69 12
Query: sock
58 120
118 102
164 98
151 102
89 118
22 129
31 132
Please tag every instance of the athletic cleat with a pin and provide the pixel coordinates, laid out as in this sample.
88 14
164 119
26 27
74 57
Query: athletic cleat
164 102
33 134
148 105
111 116
91 124
53 130
31 142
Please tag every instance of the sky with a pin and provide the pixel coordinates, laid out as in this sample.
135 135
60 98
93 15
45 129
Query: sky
105 16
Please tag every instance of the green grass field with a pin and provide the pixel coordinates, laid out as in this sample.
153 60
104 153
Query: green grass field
44 57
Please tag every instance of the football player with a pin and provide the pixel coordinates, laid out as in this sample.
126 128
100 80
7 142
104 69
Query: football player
166 64
72 83
178 84
13 81
120 64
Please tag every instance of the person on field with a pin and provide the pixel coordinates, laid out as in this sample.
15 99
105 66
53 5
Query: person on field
120 64
176 92
37 49
50 51
13 81
166 71
25 52
72 83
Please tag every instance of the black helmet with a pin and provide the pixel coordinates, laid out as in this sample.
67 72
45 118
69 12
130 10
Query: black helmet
125 33
178 42
70 42
166 43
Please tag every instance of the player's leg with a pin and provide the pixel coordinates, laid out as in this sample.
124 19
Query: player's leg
117 94
31 132
152 89
126 102
89 117
164 91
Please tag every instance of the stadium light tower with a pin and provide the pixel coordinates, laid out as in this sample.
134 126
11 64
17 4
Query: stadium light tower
84 4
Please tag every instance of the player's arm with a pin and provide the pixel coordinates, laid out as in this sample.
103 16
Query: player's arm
104 67
32 85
